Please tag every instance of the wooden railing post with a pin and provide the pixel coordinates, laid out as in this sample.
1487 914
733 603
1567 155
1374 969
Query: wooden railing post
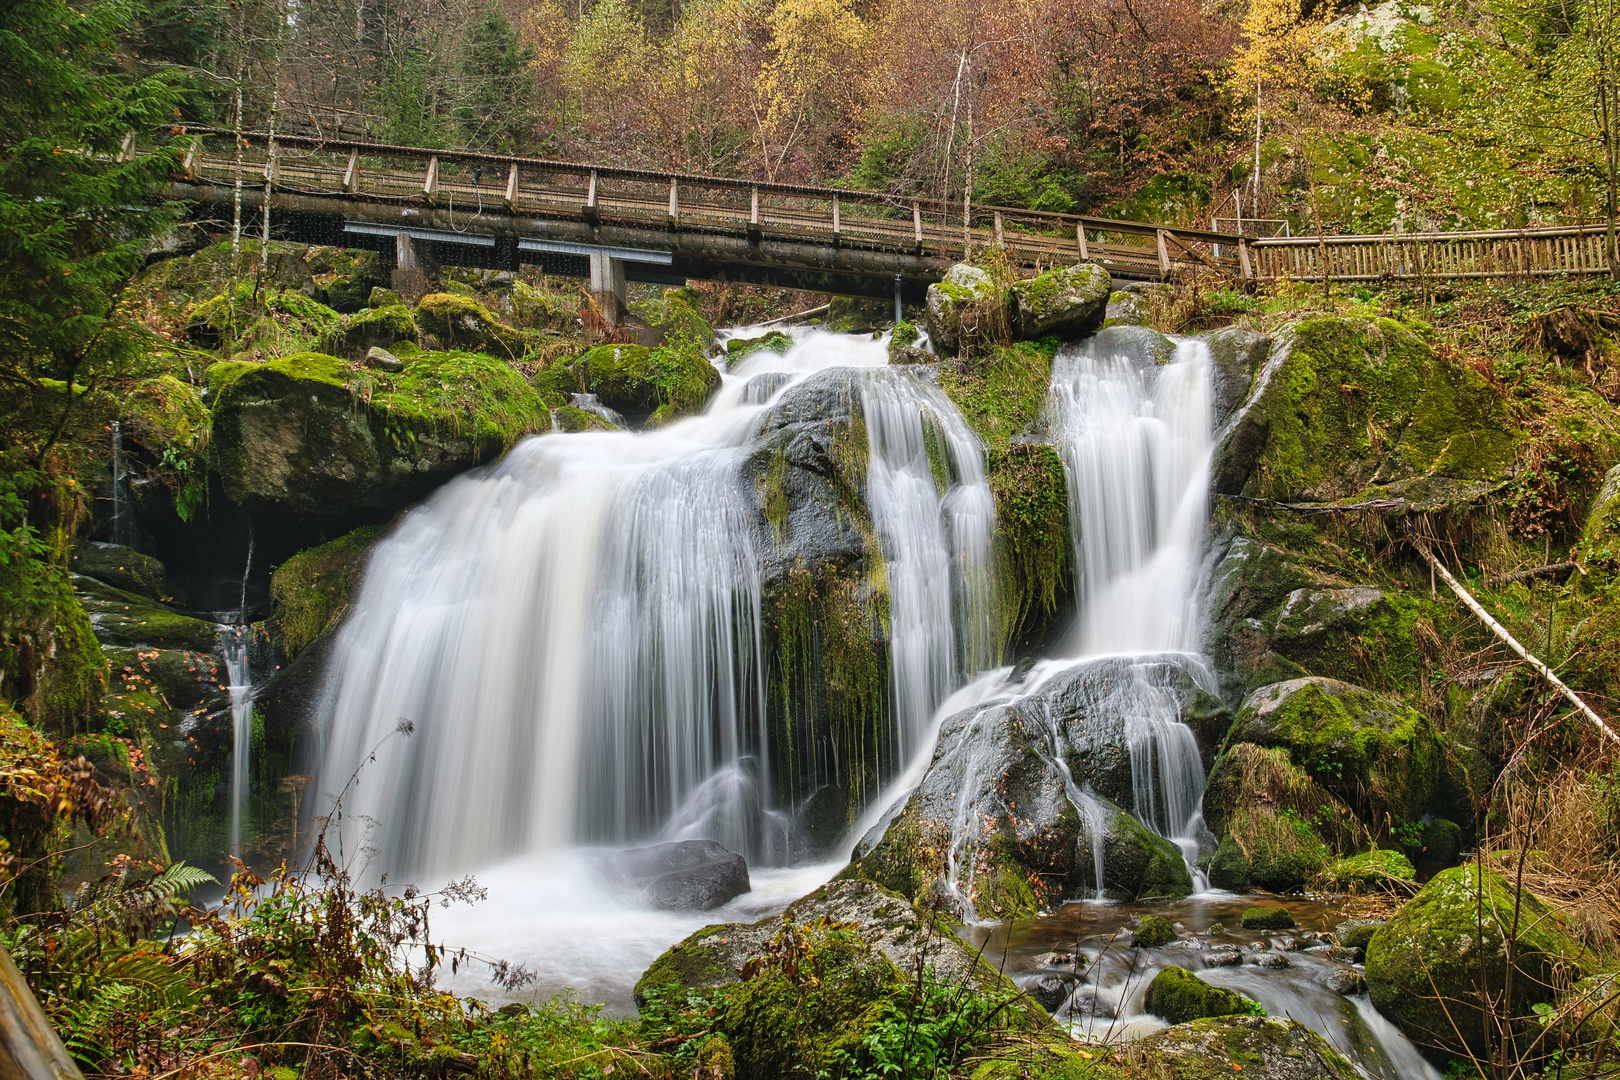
589 210
126 149
674 202
1164 254
511 185
753 205
30 1049
916 222
430 186
837 225
351 175
1001 243
1080 236
1243 260
189 163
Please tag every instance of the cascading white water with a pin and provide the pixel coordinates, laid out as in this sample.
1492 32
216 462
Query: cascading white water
575 632
935 518
234 642
1136 438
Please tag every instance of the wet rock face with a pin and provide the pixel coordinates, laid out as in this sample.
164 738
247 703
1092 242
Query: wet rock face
688 875
1238 355
1267 1047
1348 408
1023 793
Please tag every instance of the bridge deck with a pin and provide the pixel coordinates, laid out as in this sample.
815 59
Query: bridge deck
825 230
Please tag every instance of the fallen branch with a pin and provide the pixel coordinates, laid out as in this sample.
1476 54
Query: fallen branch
1496 581
1500 631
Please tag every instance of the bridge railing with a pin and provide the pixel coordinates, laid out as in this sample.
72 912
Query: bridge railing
479 183
1499 253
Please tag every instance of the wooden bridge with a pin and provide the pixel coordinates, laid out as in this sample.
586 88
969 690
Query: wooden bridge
613 225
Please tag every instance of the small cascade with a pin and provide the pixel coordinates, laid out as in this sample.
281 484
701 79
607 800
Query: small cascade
1136 437
934 516
235 642
123 519
588 403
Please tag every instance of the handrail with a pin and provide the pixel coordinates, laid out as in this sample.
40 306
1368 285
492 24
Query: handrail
1527 233
29 1047
873 198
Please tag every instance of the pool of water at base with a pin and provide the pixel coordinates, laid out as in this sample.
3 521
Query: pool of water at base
1106 1001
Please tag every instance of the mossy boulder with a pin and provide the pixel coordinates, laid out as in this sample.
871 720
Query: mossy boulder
376 327
1274 917
1262 1047
671 320
1068 301
460 322
1356 933
1433 966
1599 547
166 417
903 341
1179 996
647 387
310 592
216 377
1153 931
326 442
122 568
1351 408
571 420
739 348
127 618
1033 541
963 308
1373 753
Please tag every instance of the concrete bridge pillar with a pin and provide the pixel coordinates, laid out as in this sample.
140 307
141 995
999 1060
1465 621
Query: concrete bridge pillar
413 267
607 286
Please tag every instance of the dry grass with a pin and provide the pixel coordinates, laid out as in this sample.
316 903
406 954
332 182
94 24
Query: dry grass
1567 825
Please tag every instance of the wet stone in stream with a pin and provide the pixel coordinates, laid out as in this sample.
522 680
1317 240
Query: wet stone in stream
1297 974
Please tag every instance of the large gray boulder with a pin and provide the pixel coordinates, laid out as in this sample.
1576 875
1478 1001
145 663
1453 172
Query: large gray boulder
1069 301
1268 1047
958 304
686 875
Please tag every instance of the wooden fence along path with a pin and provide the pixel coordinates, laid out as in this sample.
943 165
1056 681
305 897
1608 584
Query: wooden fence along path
477 184
1501 253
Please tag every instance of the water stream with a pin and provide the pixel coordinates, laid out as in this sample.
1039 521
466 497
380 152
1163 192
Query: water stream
576 635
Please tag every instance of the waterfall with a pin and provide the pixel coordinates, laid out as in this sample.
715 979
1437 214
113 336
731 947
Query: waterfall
123 525
1136 439
575 632
234 643
934 515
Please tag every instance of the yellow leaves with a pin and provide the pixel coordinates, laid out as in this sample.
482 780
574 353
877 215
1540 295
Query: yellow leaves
811 43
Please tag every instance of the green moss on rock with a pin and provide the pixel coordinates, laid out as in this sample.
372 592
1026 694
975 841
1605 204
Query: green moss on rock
324 440
1031 495
1179 996
126 618
1273 917
1378 756
122 568
636 381
571 420
675 322
1431 967
460 322
1219 1048
1362 406
1153 931
1067 301
379 327
740 348
310 592
1001 396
